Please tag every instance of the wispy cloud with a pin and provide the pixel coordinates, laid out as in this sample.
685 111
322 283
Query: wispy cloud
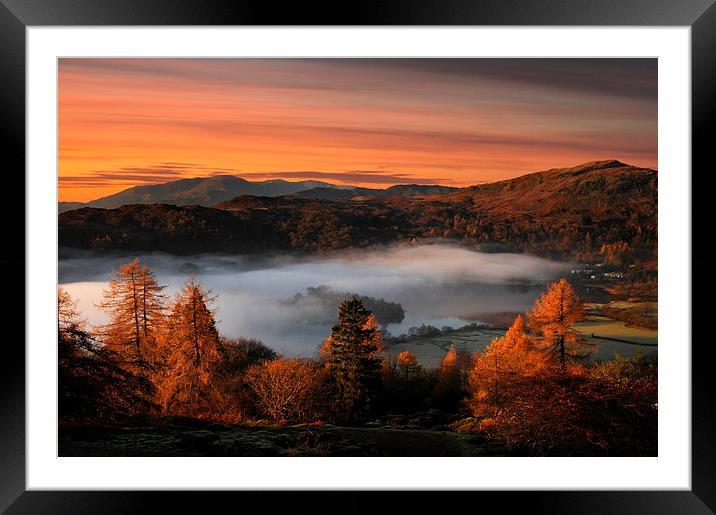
351 177
448 121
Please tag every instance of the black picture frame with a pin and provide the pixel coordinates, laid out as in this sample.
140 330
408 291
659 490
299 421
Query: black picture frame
700 15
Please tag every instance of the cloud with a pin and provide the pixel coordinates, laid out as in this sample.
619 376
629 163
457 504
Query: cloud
357 176
437 284
452 121
140 175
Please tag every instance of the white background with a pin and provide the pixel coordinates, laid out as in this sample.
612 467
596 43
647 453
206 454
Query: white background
672 467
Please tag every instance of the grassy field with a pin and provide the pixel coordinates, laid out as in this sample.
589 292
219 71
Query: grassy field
430 349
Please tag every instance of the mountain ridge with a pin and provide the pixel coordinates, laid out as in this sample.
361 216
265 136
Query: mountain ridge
562 211
205 191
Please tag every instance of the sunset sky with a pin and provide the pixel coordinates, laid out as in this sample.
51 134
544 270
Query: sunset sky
365 122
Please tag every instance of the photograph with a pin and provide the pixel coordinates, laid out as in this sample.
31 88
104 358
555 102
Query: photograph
357 257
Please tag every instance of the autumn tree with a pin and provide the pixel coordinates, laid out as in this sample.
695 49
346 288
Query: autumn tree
91 385
616 254
451 380
407 364
135 306
287 389
553 315
354 364
190 350
501 368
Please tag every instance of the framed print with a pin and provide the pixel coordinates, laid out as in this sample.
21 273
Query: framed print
283 251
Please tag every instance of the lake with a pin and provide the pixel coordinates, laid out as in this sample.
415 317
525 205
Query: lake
256 297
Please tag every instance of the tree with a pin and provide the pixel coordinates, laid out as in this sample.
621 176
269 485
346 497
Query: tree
616 254
501 368
553 315
354 365
286 389
190 349
451 378
376 341
135 306
408 364
91 386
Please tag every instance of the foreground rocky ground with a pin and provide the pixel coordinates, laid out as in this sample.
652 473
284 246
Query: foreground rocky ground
187 437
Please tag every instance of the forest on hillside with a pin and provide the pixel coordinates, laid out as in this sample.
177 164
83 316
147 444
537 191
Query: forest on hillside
570 213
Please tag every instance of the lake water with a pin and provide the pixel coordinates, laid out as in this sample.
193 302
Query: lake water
439 285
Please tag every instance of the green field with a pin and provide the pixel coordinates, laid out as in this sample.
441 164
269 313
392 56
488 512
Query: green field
430 349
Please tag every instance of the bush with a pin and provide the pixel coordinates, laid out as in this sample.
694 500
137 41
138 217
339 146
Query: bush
609 409
287 389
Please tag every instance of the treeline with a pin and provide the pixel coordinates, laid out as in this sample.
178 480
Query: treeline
529 389
326 226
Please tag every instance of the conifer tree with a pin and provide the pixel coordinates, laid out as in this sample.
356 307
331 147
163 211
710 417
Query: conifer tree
408 364
354 364
451 380
553 315
190 350
135 306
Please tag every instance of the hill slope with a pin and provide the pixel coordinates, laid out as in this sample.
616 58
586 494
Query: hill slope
399 190
555 212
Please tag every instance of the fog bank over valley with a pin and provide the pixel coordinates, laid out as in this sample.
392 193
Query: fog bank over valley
289 303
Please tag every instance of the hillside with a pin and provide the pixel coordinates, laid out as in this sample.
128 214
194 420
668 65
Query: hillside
399 190
556 212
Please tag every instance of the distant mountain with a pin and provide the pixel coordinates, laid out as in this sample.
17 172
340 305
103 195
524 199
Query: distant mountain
214 190
400 190
68 206
559 212
204 191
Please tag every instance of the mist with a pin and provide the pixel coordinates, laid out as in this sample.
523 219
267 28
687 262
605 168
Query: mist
256 296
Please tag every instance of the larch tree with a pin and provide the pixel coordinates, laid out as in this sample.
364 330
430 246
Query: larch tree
553 316
190 350
353 362
451 378
408 364
499 371
134 305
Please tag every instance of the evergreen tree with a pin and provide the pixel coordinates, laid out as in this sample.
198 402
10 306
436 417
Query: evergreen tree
354 364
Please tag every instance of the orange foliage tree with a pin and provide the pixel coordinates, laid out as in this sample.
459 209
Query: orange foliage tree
499 369
408 364
616 253
135 307
286 389
189 350
552 316
451 380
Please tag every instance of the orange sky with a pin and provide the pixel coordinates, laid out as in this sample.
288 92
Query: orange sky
366 122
